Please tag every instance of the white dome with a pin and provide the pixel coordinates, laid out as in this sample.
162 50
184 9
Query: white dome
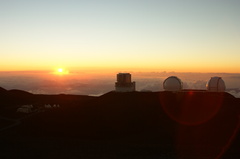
172 83
216 84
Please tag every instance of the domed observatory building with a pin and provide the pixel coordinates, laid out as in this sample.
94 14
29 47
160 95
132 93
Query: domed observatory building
124 83
216 84
173 84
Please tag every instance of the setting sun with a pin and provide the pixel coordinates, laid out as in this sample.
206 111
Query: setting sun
61 71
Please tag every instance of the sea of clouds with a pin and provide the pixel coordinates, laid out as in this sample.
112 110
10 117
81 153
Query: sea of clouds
91 84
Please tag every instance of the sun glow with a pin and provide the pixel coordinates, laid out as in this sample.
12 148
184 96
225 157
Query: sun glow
61 71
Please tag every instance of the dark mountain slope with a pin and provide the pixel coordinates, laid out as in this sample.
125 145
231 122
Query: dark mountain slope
184 124
2 90
14 97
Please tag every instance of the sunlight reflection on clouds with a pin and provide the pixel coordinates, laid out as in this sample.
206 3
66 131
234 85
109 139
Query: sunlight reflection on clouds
100 84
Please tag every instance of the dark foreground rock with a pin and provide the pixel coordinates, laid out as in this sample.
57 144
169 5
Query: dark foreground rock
122 125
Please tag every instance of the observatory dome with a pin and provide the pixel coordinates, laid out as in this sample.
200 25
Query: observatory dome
172 83
216 84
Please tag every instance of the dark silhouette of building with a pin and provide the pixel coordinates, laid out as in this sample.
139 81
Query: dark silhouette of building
124 83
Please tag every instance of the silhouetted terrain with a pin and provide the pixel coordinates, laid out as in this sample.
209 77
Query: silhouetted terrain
120 125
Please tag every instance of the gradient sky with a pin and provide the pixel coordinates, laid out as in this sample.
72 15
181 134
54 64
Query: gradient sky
164 35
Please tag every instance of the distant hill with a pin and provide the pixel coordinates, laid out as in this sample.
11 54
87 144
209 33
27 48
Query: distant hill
14 98
16 92
2 90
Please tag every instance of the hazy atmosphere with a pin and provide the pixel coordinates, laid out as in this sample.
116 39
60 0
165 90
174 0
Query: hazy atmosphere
96 84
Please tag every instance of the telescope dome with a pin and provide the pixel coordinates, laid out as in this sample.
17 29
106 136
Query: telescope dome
172 83
216 84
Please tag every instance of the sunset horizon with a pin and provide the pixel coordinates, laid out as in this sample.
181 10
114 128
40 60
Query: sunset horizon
180 36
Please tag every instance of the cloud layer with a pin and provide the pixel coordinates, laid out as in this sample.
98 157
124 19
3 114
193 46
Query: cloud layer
43 83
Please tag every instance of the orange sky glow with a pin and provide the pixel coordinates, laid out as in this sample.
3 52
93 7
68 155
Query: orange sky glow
186 36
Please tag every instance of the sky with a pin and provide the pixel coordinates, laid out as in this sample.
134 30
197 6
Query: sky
129 35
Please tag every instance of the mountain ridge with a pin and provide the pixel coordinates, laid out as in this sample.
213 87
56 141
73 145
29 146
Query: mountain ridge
185 123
